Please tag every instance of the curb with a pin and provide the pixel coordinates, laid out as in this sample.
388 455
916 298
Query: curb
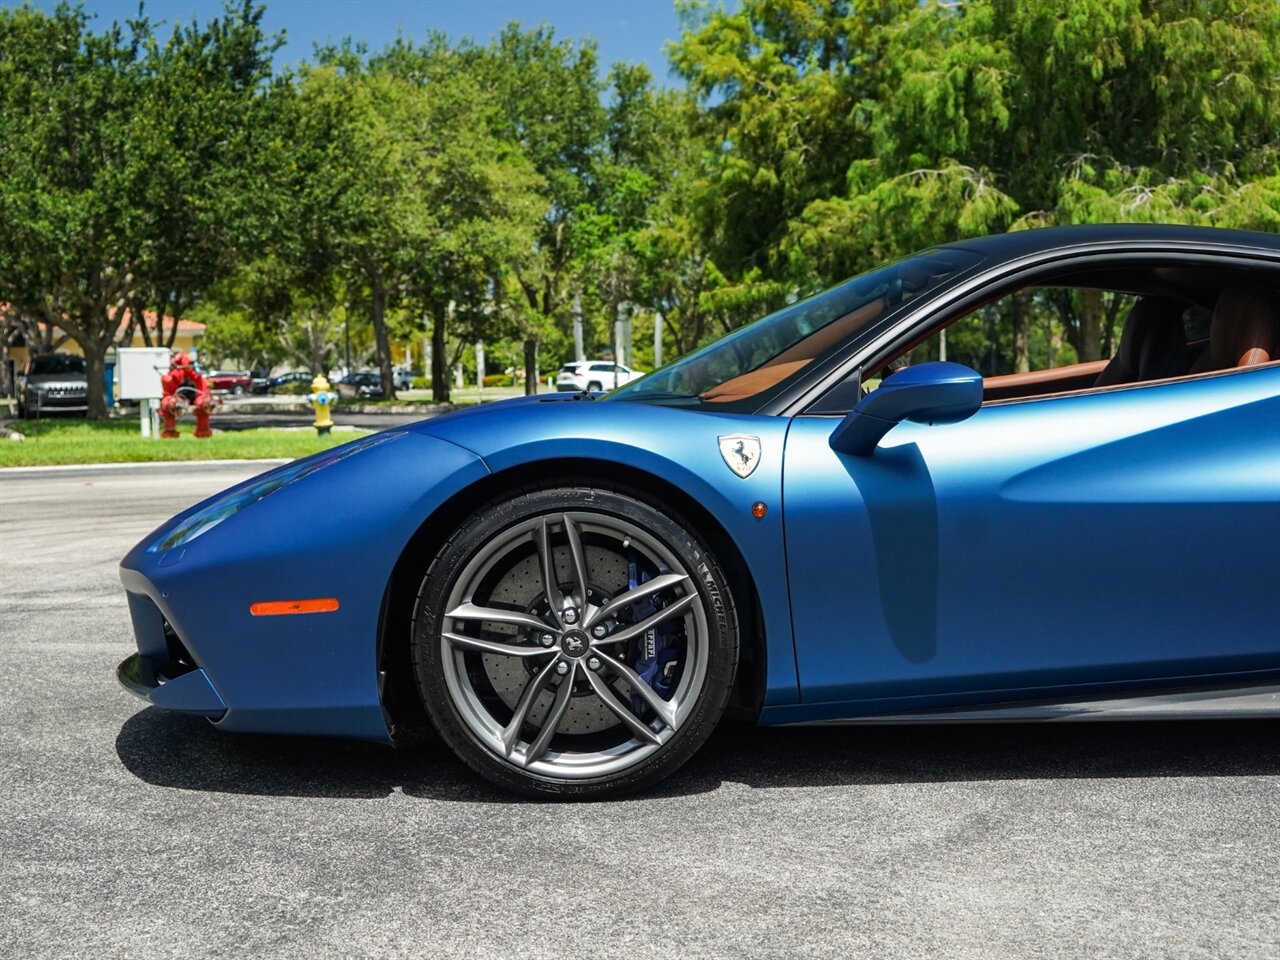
251 408
171 466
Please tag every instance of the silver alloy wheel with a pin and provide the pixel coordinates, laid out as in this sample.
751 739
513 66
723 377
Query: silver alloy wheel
557 639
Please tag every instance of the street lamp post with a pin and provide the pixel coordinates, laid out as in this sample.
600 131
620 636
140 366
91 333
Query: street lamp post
578 353
346 329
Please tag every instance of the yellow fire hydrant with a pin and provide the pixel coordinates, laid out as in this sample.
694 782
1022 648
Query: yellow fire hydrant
322 399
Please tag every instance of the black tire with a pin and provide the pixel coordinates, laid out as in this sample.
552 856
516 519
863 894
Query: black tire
238 390
594 387
704 600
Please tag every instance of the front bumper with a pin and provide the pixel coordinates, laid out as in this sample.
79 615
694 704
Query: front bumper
163 671
45 402
189 692
191 589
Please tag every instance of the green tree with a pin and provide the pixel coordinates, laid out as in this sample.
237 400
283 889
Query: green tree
549 95
842 134
88 236
1098 110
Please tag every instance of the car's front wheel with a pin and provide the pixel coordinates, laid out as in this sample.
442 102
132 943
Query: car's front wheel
575 642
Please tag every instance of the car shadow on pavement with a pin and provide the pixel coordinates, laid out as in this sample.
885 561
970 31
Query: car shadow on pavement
187 753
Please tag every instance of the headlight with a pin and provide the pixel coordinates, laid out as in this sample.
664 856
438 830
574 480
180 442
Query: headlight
204 520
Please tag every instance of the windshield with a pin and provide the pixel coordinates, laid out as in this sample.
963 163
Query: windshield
760 356
57 363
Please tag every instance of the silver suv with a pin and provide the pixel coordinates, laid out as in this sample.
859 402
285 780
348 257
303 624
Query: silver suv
53 383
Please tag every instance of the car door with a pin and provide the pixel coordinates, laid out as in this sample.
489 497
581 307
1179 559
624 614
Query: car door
1124 537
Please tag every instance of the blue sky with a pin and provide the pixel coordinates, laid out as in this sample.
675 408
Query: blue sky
632 30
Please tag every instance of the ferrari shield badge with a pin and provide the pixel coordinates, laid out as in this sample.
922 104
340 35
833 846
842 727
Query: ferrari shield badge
741 453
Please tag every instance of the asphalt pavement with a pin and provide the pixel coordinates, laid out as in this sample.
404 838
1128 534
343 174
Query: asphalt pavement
126 832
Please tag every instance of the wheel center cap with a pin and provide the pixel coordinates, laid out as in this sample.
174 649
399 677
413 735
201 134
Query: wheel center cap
574 643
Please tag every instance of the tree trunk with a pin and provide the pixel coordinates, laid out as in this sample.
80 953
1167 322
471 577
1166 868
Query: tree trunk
990 325
1109 331
378 314
439 371
530 366
95 368
1021 321
167 336
1090 325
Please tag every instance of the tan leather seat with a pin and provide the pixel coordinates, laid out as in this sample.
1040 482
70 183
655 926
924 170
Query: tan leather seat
1245 330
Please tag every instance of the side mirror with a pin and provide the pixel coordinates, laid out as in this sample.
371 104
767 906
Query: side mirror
938 392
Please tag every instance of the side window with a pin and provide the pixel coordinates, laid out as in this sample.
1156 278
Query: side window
1083 333
1030 330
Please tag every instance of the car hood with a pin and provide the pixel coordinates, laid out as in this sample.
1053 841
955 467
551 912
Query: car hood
554 425
39 379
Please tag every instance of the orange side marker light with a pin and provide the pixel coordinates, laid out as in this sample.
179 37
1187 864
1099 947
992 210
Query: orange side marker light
278 608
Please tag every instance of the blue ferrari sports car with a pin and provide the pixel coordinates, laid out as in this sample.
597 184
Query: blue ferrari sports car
1034 476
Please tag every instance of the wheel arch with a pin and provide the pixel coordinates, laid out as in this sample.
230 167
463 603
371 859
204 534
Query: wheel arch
406 719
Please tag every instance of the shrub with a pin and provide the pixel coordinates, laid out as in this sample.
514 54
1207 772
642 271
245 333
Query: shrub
420 383
497 380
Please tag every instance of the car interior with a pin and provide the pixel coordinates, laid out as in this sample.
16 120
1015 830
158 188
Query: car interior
1172 322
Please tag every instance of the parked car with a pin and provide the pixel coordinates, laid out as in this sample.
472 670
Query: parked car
571 589
53 383
237 382
363 384
403 379
260 381
594 376
289 380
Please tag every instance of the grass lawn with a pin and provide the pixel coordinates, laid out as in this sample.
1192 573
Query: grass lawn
52 442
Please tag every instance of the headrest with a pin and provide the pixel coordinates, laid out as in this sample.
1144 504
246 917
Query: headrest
1246 326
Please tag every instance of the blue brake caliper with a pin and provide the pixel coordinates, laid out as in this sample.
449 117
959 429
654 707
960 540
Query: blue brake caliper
652 651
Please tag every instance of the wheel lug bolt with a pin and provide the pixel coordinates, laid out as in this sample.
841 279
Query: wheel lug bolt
593 663
547 639
599 631
570 616
562 668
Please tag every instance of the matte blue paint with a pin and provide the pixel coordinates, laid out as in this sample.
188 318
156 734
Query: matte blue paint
1046 548
1118 537
334 533
190 693
676 444
936 392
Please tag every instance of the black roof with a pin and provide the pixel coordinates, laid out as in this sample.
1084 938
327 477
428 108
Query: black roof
1019 243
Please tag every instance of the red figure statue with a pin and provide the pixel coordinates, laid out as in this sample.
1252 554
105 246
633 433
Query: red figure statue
184 386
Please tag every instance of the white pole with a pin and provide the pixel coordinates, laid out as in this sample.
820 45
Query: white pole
144 415
617 345
578 353
657 340
479 364
942 344
626 336
426 344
